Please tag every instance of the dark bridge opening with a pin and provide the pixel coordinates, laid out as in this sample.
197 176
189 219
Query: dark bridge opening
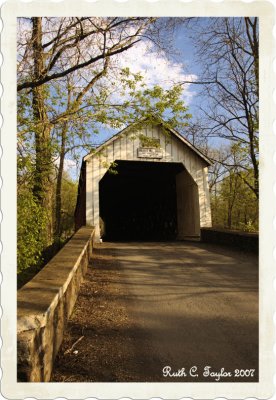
140 201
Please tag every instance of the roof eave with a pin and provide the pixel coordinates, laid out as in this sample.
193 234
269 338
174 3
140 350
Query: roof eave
177 134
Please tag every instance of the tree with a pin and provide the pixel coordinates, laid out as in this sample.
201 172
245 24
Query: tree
67 81
68 198
74 124
228 50
31 218
234 206
54 49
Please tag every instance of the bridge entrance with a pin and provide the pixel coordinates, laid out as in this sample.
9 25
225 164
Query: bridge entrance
146 201
159 193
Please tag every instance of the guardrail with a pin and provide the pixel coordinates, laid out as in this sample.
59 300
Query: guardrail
240 240
44 305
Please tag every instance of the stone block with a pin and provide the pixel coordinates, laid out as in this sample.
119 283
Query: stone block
45 304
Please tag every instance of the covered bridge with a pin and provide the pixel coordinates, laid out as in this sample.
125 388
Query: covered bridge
145 183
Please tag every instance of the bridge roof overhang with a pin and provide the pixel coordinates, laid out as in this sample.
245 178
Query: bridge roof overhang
158 121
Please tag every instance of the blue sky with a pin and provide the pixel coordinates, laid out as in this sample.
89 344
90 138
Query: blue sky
158 69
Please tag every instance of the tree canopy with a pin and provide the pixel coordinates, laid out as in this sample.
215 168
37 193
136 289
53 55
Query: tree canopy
71 83
228 51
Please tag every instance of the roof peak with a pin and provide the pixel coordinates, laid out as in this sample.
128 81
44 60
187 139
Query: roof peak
159 121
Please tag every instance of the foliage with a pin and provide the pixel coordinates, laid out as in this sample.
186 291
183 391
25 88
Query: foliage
110 166
70 84
233 203
31 221
68 204
249 226
66 93
149 142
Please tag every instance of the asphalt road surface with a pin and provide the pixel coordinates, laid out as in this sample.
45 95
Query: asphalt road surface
177 311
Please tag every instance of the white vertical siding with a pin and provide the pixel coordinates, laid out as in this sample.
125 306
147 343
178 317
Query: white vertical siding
110 153
162 137
136 144
201 196
117 149
129 148
123 152
89 192
124 147
95 189
168 146
174 150
208 219
155 133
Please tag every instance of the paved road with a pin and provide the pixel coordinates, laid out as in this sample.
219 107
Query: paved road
198 304
188 305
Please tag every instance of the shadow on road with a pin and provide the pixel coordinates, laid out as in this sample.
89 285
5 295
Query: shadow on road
144 306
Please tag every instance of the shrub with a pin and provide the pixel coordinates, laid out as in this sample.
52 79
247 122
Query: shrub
31 221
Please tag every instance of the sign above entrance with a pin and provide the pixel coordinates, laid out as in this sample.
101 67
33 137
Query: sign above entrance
149 152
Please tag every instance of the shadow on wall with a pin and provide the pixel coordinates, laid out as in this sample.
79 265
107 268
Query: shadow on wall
240 240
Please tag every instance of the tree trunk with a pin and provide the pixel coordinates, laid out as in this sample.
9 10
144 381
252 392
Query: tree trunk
58 230
252 35
229 218
42 189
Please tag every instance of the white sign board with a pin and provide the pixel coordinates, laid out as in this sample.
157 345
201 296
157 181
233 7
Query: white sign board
149 152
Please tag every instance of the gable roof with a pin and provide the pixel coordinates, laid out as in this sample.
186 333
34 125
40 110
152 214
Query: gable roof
160 122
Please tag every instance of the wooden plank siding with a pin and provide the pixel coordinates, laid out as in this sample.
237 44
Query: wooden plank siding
125 146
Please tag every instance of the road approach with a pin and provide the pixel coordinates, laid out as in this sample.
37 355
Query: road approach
176 312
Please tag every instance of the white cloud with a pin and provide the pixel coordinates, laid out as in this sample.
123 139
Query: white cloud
70 166
156 68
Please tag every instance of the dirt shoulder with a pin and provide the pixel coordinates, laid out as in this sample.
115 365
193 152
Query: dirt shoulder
108 339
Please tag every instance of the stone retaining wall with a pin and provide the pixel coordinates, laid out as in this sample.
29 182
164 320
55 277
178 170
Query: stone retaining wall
44 305
240 240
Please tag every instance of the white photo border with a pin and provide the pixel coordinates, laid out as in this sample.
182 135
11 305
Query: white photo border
263 389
